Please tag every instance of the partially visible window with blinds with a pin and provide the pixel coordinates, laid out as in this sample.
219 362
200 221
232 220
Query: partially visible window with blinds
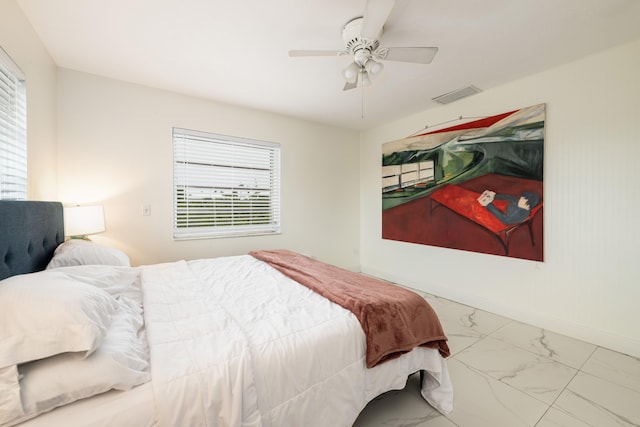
224 186
13 130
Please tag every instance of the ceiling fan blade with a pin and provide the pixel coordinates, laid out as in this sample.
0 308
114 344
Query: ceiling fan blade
376 13
420 55
349 86
296 53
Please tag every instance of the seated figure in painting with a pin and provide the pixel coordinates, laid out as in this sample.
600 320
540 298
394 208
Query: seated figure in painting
517 209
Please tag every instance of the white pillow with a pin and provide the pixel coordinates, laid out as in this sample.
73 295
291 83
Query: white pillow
116 280
85 252
10 403
121 363
46 313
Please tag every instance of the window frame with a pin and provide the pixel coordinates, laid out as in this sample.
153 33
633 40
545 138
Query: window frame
231 184
13 130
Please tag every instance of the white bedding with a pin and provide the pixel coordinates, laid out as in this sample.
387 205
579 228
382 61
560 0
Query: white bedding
235 343
133 408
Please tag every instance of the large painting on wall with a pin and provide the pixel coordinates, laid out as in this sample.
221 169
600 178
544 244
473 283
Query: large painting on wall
476 186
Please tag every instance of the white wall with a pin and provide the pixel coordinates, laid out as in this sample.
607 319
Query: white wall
589 284
115 148
19 40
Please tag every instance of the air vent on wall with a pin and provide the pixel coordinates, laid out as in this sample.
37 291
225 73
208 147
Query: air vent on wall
456 94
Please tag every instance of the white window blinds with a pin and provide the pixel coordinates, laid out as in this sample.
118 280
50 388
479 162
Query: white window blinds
13 130
224 186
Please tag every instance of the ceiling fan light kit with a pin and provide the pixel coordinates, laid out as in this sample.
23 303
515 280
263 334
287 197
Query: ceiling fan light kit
350 73
362 37
373 67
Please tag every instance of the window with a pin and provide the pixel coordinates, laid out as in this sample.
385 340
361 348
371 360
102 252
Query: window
395 177
224 186
13 130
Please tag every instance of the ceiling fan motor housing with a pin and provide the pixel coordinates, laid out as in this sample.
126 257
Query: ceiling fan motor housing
361 49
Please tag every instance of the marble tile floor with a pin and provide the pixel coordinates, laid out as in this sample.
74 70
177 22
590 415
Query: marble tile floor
509 374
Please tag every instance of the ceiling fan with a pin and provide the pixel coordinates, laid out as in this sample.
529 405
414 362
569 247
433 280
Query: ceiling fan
362 41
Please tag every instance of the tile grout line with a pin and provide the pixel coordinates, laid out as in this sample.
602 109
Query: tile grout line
578 370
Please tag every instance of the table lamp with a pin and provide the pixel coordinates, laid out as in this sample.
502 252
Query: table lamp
80 221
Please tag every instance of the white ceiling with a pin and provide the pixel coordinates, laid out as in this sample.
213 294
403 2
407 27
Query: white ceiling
237 51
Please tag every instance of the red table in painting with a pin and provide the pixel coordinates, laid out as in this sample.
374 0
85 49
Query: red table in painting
465 203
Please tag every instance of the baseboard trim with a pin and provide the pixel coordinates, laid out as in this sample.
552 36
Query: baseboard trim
601 338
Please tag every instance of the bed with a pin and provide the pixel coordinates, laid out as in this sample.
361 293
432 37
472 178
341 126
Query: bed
464 202
87 340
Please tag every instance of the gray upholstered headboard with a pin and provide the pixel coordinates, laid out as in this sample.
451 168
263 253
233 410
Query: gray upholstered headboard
30 231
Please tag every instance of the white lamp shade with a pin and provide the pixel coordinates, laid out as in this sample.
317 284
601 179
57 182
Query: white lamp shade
373 67
83 220
350 73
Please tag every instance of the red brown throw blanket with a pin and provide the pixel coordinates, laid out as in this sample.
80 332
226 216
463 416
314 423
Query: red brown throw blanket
394 319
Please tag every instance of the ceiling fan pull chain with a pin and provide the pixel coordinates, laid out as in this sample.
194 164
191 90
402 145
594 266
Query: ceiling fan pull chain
362 103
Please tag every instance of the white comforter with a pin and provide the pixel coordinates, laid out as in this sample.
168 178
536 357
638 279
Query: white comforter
235 343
